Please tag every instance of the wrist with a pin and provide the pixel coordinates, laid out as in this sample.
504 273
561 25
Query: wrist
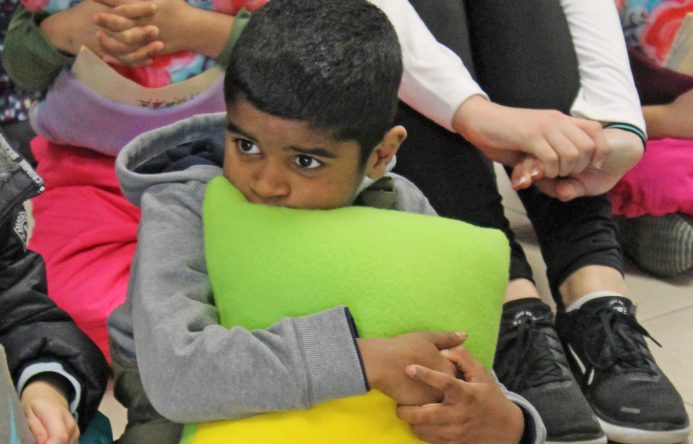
516 423
55 29
45 388
371 354
217 28
465 119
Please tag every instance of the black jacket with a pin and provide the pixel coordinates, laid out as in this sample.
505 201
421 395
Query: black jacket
32 328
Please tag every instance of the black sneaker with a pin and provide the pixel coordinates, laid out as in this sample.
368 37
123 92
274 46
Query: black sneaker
530 361
633 399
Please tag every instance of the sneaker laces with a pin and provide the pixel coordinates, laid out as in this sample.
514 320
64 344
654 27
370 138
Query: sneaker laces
618 341
530 361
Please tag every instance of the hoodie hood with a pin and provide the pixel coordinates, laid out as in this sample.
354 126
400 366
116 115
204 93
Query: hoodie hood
191 149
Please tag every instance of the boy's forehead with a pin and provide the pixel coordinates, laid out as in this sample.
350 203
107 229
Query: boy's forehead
245 119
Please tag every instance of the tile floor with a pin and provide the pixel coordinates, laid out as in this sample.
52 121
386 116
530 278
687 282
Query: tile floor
665 310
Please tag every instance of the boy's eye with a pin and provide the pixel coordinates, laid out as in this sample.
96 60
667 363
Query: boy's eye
248 147
307 162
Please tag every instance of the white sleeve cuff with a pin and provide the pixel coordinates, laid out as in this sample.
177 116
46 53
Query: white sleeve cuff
51 367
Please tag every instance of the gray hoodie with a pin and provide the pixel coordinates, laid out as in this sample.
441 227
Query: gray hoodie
192 368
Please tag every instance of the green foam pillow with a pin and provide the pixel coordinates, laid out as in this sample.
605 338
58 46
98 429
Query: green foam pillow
397 272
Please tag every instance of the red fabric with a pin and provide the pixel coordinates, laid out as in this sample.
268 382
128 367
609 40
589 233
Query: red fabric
86 232
660 184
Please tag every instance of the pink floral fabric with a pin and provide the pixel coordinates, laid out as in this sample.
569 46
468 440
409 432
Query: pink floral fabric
651 25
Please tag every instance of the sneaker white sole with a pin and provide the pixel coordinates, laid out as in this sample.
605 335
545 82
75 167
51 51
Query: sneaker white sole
628 435
601 440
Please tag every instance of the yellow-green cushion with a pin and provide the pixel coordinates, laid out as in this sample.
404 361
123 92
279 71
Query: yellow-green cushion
397 272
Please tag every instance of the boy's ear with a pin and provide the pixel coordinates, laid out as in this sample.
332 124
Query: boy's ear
385 151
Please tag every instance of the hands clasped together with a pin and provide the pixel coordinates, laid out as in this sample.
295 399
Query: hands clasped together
443 392
565 157
132 32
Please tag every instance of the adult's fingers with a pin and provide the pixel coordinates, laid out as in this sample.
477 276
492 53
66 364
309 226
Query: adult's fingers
547 155
569 188
594 131
568 154
525 172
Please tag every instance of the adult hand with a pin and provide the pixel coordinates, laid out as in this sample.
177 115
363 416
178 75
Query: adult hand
385 359
624 150
473 410
48 415
564 145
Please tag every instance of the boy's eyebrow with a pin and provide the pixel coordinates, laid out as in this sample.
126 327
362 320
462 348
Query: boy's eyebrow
318 152
230 126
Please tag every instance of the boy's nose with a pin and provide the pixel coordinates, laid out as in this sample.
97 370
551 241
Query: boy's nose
269 185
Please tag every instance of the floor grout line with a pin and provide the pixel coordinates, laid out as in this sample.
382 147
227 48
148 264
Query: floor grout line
661 315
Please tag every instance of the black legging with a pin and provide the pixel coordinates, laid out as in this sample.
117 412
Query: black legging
522 55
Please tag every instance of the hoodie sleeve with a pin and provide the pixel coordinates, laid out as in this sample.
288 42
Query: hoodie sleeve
218 372
28 57
39 337
535 431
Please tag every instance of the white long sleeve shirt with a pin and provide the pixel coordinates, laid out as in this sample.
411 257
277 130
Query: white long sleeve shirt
436 82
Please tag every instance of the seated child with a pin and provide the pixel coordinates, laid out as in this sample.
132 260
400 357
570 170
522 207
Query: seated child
59 374
311 94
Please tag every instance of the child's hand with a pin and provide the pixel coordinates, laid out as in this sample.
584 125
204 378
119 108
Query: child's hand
48 415
126 37
179 27
386 359
474 410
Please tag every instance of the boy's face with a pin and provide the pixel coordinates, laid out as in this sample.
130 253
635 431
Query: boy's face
277 161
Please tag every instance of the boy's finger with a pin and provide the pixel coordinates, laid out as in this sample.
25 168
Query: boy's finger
447 339
420 415
472 369
450 386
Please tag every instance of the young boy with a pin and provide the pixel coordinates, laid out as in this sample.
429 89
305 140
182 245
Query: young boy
58 373
311 93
